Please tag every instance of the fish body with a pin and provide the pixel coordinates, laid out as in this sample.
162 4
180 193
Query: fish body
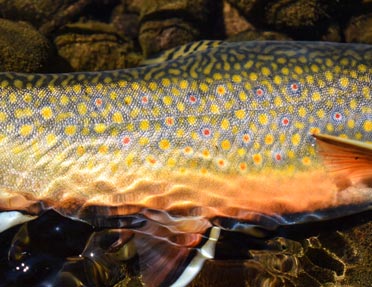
246 131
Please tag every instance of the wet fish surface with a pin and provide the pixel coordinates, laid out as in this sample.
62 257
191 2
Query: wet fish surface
243 137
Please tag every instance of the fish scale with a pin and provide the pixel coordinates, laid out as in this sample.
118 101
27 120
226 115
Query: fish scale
216 129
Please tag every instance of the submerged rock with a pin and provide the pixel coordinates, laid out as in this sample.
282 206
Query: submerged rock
22 47
94 46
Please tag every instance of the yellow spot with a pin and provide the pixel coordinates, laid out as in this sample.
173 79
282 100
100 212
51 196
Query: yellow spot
100 128
153 86
306 160
302 112
257 159
225 124
236 78
253 76
164 144
206 153
135 86
167 100
262 119
77 89
127 100
64 100
344 82
362 68
298 70
367 126
180 107
203 87
80 150
180 133
184 84
296 138
353 104
320 113
70 130
143 141
27 98
225 144
277 80
46 113
314 68
3 117
265 71
221 90
243 96
82 109
329 127
316 96
328 76
25 130
166 82
242 151
217 76
350 124
191 120
214 109
285 71
314 131
269 139
240 114
122 83
51 139
144 125
117 118
171 162
103 149
18 84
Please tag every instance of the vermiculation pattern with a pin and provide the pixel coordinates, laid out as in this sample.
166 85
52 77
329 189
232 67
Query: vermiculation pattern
237 107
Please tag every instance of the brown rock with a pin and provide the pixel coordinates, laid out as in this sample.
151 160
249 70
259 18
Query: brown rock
359 29
17 56
94 46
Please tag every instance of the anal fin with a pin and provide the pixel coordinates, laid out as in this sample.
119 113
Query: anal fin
350 161
172 255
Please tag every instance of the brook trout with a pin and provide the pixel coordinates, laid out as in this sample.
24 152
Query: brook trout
259 133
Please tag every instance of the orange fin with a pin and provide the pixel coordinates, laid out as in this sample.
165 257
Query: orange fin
350 161
170 255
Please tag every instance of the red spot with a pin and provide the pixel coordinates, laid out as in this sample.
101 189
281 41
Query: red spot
294 87
221 162
145 99
337 116
192 99
98 102
246 138
206 132
152 160
125 140
285 121
169 121
259 92
243 166
278 157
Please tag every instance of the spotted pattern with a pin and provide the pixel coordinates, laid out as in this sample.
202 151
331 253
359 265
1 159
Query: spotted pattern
237 107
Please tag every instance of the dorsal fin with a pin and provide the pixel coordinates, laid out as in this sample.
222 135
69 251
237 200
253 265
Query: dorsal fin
350 161
181 51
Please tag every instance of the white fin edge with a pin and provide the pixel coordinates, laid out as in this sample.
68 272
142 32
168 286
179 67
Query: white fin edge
196 264
9 219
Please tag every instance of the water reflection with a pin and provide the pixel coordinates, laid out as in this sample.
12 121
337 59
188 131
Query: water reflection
57 251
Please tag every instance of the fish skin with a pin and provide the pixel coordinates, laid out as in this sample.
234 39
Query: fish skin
226 131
